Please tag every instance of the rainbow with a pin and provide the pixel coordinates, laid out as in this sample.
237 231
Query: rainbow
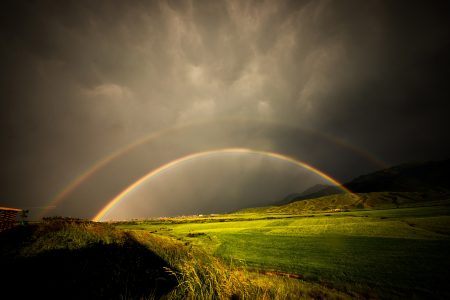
104 211
100 164
77 181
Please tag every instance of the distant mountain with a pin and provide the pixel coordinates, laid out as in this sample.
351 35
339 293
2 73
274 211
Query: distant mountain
429 177
289 198
316 188
412 177
316 191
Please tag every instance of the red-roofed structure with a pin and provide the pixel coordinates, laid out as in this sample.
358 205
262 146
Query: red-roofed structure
8 217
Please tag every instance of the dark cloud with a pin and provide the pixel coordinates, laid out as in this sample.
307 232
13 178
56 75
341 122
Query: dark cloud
81 79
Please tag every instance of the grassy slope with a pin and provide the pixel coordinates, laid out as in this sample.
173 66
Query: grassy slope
379 200
72 259
389 252
204 276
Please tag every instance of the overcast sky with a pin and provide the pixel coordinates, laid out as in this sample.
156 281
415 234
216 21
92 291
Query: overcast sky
346 86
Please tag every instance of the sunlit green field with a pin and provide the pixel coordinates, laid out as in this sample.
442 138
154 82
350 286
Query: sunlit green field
397 252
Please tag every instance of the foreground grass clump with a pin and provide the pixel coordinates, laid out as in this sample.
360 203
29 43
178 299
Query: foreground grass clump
70 233
74 259
199 275
203 276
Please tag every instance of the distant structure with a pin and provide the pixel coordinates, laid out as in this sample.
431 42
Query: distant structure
8 217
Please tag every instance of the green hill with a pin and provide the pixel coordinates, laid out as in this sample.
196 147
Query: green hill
345 202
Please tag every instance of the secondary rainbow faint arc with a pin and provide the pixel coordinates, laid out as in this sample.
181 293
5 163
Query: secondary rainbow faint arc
177 161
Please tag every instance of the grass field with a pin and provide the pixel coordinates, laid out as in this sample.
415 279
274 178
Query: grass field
389 253
377 245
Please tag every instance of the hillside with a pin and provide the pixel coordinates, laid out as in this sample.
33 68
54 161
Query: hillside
427 177
316 191
344 202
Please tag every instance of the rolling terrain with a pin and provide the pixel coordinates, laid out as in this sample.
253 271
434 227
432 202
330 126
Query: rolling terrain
388 244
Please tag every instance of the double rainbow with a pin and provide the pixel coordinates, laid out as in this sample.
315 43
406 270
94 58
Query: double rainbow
102 163
113 202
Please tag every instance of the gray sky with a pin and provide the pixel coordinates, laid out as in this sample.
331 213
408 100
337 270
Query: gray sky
341 85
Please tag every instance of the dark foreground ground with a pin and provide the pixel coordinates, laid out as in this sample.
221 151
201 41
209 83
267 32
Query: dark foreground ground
47 263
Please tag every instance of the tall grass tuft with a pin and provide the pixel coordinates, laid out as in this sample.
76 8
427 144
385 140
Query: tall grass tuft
203 276
199 275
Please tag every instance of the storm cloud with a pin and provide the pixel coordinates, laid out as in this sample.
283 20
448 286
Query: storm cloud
337 84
